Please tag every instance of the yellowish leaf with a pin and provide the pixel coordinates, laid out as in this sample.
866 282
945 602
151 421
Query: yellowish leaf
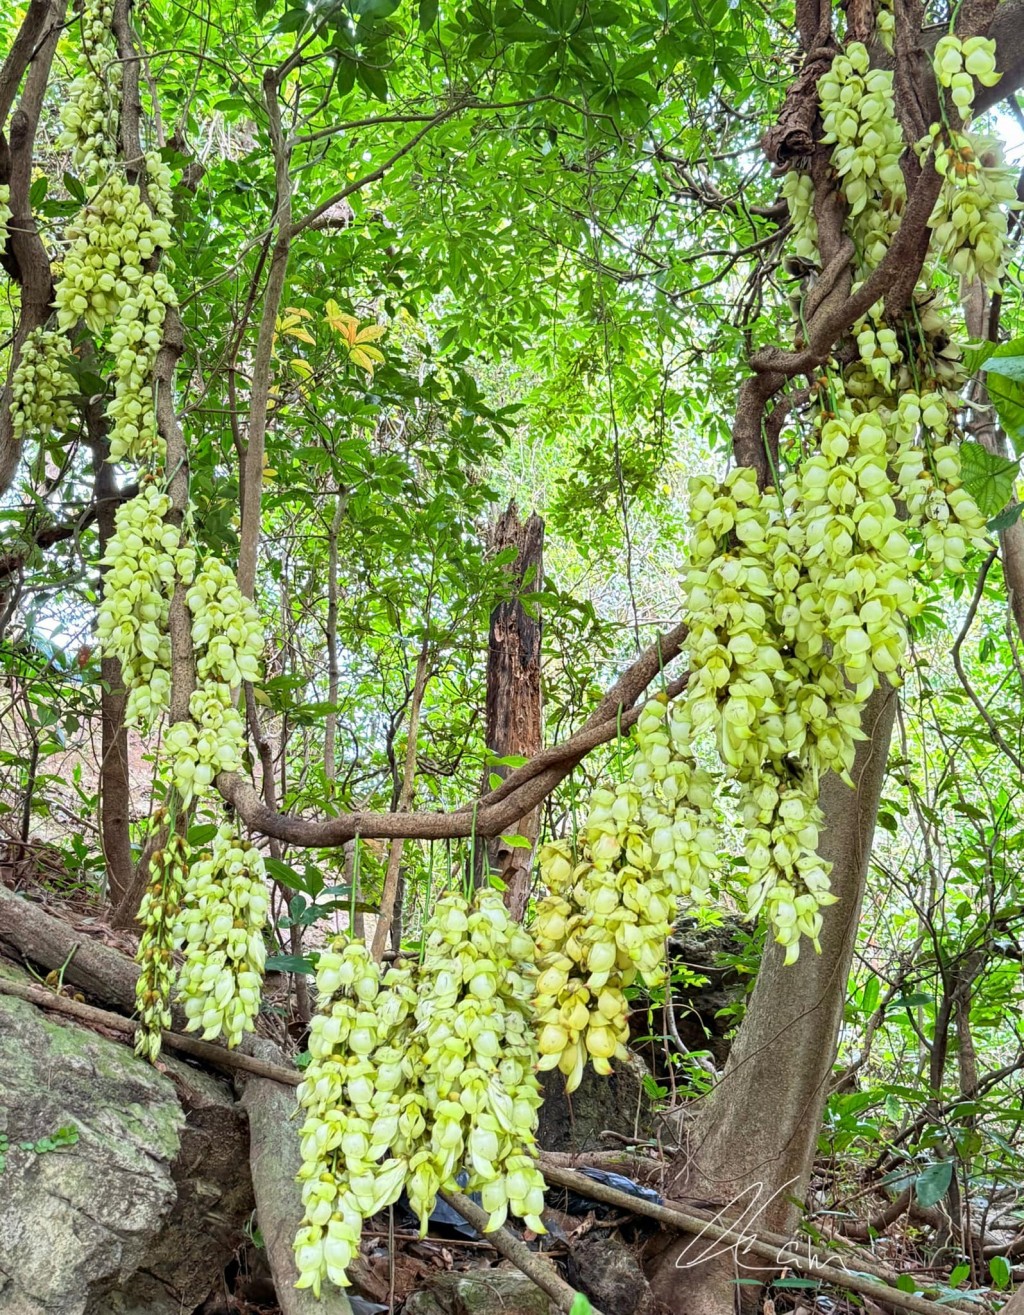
364 357
302 334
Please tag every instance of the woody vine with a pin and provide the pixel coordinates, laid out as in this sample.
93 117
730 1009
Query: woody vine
798 594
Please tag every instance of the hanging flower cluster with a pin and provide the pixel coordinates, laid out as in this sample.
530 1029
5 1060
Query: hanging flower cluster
143 560
227 639
109 277
42 387
969 218
646 844
223 913
89 115
958 64
5 215
798 596
858 114
158 912
885 23
113 282
416 1075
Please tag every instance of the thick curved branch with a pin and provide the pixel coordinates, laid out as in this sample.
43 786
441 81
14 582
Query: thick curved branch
518 794
27 258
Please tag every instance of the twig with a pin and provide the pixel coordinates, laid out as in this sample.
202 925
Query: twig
533 1265
968 687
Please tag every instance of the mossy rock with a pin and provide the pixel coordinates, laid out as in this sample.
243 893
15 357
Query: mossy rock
141 1212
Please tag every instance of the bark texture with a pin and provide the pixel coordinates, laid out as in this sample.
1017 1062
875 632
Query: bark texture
513 692
754 1140
275 1160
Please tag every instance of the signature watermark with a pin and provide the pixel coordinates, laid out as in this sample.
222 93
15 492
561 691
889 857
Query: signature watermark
739 1216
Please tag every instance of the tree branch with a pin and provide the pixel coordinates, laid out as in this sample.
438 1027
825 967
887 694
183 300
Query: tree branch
26 257
537 1268
522 791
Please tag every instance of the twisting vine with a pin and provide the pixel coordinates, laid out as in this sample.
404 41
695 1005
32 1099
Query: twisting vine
113 287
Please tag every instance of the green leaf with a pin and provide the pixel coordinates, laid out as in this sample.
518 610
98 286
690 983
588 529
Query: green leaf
372 80
958 1275
976 355
987 478
74 188
1010 366
580 1305
287 876
932 1184
1006 518
517 842
292 20
290 963
201 834
869 999
999 1269
913 1001
428 14
1007 397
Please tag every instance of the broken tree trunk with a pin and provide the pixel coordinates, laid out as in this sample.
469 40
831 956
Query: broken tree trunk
115 783
513 692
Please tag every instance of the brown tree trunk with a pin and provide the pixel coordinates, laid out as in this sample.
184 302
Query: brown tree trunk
753 1142
513 693
389 895
123 891
333 680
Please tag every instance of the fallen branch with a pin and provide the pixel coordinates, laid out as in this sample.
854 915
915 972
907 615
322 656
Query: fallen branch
536 1268
40 938
231 1061
780 1251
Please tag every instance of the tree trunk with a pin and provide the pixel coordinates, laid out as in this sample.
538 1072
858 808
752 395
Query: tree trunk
333 684
389 894
984 428
123 890
752 1146
513 693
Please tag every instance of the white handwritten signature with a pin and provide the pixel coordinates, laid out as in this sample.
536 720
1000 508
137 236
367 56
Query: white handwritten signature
738 1224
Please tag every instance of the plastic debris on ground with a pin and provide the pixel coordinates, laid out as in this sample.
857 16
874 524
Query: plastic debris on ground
572 1203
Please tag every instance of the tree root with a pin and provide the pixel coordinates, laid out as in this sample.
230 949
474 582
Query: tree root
274 1161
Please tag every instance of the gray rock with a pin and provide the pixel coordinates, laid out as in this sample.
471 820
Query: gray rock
616 1103
480 1292
608 1272
141 1214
